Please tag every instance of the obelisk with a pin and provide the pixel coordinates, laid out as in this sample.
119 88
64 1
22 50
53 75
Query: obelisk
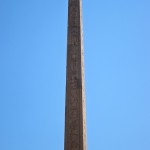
75 116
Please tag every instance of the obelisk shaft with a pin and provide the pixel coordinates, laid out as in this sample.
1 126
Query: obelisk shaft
75 124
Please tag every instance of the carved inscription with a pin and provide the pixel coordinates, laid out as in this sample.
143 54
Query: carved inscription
73 82
74 119
74 100
74 31
74 142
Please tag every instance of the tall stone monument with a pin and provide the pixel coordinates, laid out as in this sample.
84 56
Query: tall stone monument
75 116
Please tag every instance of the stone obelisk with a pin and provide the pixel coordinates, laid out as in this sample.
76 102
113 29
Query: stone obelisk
75 116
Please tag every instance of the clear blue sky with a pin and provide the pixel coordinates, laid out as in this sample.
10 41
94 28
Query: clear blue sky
33 37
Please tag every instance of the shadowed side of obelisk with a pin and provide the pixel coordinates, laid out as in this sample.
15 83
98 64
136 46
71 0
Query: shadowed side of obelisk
75 124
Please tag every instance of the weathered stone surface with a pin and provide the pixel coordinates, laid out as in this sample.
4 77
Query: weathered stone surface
75 117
